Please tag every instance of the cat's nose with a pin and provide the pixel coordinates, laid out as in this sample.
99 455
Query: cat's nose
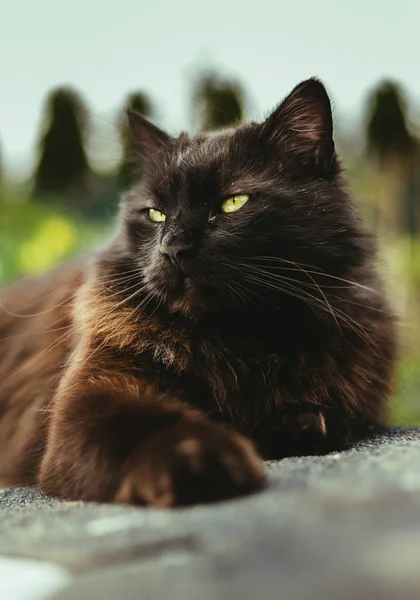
177 252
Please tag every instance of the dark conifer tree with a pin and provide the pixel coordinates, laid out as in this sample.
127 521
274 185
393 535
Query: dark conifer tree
218 102
387 133
63 165
395 148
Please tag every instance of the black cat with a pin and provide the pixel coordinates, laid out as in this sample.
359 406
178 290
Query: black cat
236 314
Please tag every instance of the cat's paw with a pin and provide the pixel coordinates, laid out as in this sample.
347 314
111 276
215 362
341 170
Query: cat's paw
191 463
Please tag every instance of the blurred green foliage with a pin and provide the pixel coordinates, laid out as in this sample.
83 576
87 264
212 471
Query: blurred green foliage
34 236
405 405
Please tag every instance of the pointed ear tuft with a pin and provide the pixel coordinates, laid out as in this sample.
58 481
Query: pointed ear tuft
147 136
301 127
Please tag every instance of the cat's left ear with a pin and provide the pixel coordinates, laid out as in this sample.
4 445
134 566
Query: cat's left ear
301 127
148 137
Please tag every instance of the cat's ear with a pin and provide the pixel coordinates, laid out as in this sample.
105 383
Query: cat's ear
301 127
147 137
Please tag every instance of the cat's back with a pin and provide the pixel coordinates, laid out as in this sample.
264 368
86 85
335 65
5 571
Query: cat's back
36 312
36 321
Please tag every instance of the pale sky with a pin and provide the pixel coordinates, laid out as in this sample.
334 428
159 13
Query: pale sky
106 49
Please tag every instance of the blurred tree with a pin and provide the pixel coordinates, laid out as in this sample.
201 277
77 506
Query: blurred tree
218 102
129 167
63 166
1 174
395 149
387 133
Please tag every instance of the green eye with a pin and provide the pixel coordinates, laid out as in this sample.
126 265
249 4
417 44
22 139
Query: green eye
234 203
157 216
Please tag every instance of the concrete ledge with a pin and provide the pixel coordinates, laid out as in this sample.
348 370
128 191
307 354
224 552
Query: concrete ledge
345 526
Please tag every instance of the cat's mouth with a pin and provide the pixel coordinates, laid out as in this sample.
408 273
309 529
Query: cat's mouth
192 291
186 294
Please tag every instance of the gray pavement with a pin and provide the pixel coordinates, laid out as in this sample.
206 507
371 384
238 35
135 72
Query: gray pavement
345 526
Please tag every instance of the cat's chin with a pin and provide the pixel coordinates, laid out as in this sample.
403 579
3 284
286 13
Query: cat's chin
187 300
189 297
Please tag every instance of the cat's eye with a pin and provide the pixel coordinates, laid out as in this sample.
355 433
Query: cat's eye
157 216
234 203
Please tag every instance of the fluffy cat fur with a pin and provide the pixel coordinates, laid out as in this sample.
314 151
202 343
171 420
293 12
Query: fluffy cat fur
162 368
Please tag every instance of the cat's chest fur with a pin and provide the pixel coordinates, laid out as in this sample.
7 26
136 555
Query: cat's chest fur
233 372
243 370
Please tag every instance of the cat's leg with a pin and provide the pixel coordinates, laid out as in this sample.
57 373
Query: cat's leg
308 430
113 438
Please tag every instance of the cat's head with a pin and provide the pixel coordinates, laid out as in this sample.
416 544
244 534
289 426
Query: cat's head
244 218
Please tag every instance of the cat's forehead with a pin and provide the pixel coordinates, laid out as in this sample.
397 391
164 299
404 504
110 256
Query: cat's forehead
210 164
215 154
204 149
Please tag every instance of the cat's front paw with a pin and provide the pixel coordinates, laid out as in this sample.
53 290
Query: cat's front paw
191 463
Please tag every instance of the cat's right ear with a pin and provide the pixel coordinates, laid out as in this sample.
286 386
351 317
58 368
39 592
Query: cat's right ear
301 129
147 137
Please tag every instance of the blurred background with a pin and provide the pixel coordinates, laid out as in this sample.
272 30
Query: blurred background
69 71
